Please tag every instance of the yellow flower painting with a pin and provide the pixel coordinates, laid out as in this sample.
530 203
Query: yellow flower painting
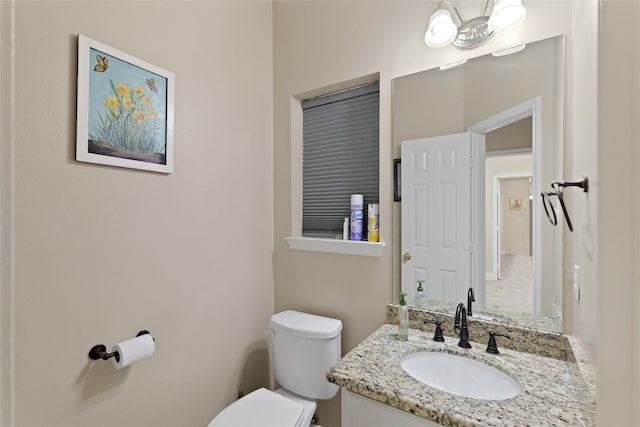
128 120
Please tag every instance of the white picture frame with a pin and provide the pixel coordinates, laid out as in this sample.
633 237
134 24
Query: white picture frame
125 109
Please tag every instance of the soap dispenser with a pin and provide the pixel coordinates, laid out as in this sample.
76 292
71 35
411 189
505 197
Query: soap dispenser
403 324
421 296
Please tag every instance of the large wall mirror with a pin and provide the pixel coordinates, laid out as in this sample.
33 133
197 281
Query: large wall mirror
511 107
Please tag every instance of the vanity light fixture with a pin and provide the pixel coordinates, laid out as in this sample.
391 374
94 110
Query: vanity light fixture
476 31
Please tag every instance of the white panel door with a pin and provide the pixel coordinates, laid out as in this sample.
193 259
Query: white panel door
436 216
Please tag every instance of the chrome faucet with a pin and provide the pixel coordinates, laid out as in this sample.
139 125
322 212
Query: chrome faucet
460 326
470 298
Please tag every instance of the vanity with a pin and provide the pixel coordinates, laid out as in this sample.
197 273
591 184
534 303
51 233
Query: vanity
556 386
500 105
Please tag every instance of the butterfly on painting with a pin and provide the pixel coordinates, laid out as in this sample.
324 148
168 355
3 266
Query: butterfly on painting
102 65
151 82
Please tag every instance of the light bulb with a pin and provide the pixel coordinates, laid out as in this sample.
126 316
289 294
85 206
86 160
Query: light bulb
441 29
506 14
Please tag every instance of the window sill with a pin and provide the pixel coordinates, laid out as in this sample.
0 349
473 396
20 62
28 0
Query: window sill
348 247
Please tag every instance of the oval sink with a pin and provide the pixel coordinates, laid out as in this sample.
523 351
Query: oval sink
460 375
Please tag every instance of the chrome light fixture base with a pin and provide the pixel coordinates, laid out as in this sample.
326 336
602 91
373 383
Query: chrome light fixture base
473 33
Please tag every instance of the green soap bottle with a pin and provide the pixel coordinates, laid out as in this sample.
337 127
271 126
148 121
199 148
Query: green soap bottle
403 324
421 296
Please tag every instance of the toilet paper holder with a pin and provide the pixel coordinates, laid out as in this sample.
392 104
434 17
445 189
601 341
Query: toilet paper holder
99 351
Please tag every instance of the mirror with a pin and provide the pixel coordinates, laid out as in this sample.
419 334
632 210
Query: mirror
516 102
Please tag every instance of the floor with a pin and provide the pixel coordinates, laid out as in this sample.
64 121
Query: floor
513 292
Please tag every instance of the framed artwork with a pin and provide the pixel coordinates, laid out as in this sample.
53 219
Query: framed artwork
397 189
515 203
125 109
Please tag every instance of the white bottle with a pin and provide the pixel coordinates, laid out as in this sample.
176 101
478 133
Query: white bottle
421 296
345 229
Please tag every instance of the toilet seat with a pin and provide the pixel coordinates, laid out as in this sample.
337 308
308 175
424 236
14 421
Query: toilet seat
308 406
263 408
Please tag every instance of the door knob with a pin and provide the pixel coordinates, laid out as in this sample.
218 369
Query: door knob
406 257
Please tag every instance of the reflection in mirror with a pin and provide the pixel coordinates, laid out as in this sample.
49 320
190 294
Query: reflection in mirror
506 113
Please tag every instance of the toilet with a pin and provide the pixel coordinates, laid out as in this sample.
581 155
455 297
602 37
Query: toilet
305 347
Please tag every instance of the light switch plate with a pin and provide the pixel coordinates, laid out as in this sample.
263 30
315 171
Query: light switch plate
576 282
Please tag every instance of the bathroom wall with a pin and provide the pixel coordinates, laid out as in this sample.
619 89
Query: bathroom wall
580 318
364 38
516 219
514 136
99 253
617 259
603 134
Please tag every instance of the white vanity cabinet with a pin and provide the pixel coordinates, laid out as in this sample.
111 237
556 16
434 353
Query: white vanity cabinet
358 411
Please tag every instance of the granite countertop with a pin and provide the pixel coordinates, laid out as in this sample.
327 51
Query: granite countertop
553 390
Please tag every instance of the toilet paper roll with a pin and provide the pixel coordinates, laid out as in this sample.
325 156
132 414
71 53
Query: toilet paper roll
130 351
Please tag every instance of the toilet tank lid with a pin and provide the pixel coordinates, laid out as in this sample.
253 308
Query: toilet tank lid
305 325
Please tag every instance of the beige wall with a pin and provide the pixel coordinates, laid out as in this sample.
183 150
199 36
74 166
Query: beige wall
102 252
516 220
615 204
511 137
319 44
581 145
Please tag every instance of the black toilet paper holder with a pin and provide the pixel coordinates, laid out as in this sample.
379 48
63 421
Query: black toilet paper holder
99 351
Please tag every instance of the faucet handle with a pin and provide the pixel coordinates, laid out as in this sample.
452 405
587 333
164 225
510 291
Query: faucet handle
438 334
492 347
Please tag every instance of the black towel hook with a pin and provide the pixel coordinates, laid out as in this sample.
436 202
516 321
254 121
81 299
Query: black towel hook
583 183
557 187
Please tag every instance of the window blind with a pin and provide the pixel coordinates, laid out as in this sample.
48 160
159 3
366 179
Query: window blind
340 157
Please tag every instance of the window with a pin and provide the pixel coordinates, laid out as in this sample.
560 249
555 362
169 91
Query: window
340 157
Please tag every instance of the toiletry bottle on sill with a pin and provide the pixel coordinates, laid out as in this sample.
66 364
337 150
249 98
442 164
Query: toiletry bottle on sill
403 322
345 229
373 222
357 217
421 296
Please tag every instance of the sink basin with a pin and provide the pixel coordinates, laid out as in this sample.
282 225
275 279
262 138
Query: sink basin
460 375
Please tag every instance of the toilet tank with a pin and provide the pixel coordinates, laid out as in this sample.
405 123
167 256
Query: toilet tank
305 347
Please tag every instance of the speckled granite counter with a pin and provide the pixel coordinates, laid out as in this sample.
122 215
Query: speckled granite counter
554 391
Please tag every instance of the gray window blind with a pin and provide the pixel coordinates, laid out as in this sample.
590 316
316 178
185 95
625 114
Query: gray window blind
340 157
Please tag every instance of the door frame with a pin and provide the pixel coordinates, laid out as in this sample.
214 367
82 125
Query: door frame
530 108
